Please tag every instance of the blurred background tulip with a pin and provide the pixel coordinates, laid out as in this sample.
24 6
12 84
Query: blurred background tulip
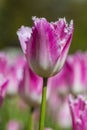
30 87
78 109
3 80
14 125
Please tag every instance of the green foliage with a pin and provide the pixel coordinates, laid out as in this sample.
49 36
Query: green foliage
11 111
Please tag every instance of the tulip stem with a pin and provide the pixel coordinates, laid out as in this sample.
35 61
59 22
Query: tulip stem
31 118
43 105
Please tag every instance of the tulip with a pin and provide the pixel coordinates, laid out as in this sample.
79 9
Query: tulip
14 69
46 45
64 117
3 80
3 88
60 113
30 87
59 82
14 125
3 63
72 78
15 74
76 65
53 100
48 129
78 109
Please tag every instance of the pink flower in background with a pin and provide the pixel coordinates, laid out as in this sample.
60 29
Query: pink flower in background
30 87
78 109
15 74
46 45
53 104
59 82
3 63
3 80
58 110
73 76
64 117
3 88
76 65
14 125
14 69
48 129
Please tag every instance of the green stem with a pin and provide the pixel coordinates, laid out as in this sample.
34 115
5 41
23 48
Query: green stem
43 105
31 118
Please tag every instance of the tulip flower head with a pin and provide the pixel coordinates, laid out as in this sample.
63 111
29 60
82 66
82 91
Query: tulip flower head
46 45
30 87
78 109
76 66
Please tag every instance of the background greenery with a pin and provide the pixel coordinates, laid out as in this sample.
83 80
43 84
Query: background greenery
14 13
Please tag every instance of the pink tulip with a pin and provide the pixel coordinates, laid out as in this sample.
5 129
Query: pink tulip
73 76
30 87
60 82
53 104
48 129
3 88
78 109
76 65
15 73
3 63
14 125
3 80
46 45
58 110
64 117
14 70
